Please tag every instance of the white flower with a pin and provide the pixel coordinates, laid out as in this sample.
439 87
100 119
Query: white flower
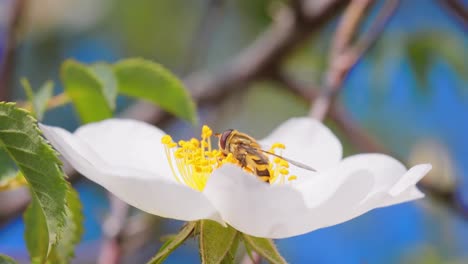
127 158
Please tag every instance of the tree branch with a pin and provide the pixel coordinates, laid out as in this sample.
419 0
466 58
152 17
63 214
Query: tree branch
7 64
456 8
343 56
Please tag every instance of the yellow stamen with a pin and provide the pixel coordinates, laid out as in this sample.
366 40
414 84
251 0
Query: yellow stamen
278 145
292 178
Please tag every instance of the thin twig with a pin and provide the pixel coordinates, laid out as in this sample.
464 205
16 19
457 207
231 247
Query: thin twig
111 251
349 25
457 8
344 56
7 64
358 136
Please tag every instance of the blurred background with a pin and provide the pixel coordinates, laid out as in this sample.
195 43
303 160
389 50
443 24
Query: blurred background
409 92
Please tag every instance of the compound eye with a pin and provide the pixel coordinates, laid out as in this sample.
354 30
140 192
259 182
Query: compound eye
224 137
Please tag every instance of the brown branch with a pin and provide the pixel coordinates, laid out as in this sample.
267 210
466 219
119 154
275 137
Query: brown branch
113 227
349 25
7 64
456 8
267 53
358 136
343 56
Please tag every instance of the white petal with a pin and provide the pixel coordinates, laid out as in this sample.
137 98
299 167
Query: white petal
386 170
307 141
413 176
280 211
393 183
405 189
356 185
146 190
129 143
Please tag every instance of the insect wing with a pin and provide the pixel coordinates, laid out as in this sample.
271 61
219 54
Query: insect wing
293 162
255 152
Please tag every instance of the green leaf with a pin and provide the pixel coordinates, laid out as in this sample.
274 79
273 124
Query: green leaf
36 233
40 99
86 90
174 242
265 248
231 255
27 89
420 56
105 74
424 48
38 162
152 82
6 260
215 241
453 51
63 251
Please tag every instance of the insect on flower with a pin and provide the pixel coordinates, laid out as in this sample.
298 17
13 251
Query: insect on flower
246 150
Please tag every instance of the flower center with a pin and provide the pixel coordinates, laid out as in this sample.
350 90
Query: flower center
192 162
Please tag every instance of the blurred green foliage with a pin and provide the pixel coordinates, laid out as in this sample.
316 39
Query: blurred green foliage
39 99
87 91
6 260
426 48
93 88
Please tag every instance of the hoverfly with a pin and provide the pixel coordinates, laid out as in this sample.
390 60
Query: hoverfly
248 152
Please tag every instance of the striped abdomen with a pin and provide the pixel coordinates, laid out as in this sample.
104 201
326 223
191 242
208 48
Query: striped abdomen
259 164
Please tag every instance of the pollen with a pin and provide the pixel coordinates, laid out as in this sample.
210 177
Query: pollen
192 161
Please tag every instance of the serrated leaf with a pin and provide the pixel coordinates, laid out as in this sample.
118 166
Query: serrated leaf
152 82
265 248
174 242
36 235
215 241
40 99
6 260
38 162
86 91
64 250
106 76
